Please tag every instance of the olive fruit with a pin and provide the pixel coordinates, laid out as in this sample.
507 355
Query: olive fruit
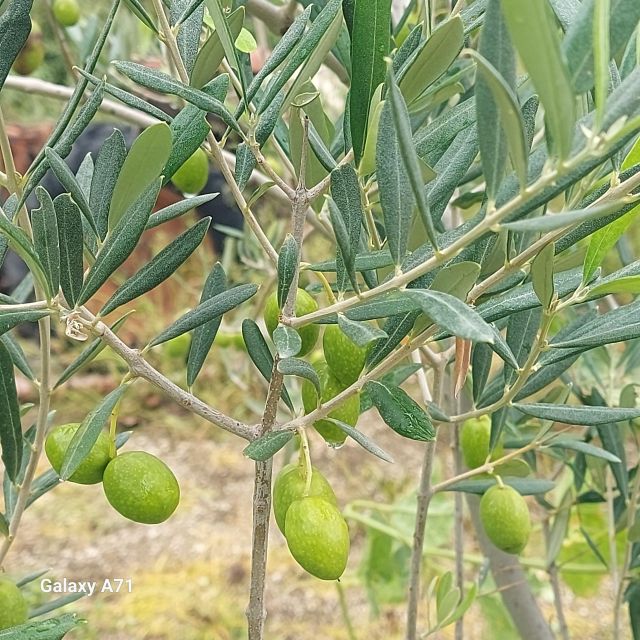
32 54
91 469
290 485
13 606
505 518
304 304
475 437
318 537
348 411
192 176
141 487
66 12
344 357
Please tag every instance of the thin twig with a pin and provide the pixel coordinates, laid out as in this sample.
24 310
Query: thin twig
425 493
141 368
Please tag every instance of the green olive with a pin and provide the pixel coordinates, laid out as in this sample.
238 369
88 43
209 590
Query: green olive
475 437
92 468
13 606
348 411
345 358
290 485
318 537
304 304
141 487
505 518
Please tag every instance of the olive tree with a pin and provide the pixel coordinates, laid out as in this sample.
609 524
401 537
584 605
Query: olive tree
477 183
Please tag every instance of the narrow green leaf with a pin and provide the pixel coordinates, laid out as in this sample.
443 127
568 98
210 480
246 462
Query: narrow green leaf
287 266
189 129
370 36
396 193
140 12
603 240
87 434
260 354
214 307
579 415
45 237
10 427
360 333
189 30
15 26
69 223
300 368
121 241
535 35
142 166
20 243
178 209
601 55
268 445
227 39
89 353
432 59
507 120
400 412
499 119
361 439
108 165
204 335
159 81
69 182
10 319
17 355
524 486
127 98
344 258
363 262
161 267
542 275
551 222
409 155
452 314
629 284
347 195
245 164
583 447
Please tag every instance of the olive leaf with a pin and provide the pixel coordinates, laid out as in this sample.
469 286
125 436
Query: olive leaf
400 411
10 427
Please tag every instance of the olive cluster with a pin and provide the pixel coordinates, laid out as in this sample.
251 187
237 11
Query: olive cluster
503 511
338 367
138 485
306 512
